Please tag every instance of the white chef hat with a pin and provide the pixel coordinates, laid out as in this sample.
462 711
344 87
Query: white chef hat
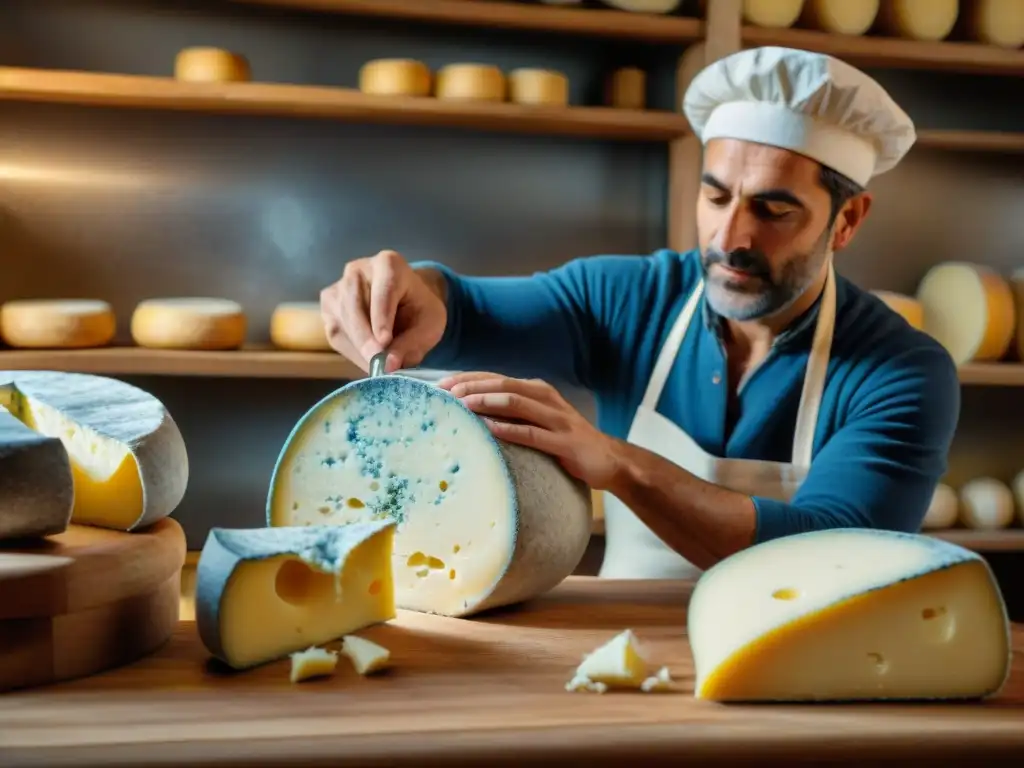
806 102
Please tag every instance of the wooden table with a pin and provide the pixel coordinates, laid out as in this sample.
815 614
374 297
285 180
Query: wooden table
487 691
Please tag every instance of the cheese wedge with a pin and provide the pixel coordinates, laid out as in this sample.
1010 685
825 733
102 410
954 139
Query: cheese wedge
395 77
481 523
265 593
37 491
128 458
995 22
189 323
470 82
57 323
299 325
849 614
839 17
210 65
944 509
366 656
986 504
311 663
918 19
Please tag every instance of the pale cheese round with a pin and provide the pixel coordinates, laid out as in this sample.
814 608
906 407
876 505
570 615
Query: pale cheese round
919 19
944 509
969 309
840 17
627 88
189 323
470 82
211 65
986 504
538 87
57 323
996 22
907 307
778 14
395 77
298 325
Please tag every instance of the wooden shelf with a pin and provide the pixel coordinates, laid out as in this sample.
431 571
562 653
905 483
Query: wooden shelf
138 361
972 141
992 374
874 51
602 23
143 92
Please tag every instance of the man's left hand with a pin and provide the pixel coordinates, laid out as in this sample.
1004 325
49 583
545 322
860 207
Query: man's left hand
532 413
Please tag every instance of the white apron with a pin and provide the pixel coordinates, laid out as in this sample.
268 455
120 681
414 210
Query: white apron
632 550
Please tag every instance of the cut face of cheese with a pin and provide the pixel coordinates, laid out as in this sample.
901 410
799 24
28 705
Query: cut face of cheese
366 656
470 82
37 491
919 19
210 65
620 663
128 458
995 22
627 89
58 323
264 593
779 14
944 509
910 309
849 614
986 504
311 663
299 325
395 77
481 523
189 323
538 86
969 309
840 17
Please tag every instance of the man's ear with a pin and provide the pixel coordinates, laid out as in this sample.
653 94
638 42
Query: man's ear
850 217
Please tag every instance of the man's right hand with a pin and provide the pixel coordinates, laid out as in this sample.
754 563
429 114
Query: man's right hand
382 303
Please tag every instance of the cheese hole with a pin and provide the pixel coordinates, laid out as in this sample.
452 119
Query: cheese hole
324 510
878 661
419 558
375 587
786 593
295 505
451 574
298 584
443 485
374 486
455 549
939 623
355 503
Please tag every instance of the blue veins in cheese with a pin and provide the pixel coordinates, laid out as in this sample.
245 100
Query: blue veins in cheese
480 523
265 593
849 614
127 456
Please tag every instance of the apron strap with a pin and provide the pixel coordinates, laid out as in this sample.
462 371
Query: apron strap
669 350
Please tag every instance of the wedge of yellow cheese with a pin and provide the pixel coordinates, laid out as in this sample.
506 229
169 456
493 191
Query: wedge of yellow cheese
366 656
311 663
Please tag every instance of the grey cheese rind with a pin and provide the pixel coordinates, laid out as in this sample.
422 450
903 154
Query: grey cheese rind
119 411
226 548
37 492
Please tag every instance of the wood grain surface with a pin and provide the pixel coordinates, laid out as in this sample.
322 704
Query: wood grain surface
485 691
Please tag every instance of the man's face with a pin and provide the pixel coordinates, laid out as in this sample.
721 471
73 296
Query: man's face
762 221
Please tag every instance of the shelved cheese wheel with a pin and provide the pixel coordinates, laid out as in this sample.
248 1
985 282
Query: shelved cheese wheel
627 88
840 17
395 77
470 82
772 13
918 19
969 309
1017 286
298 325
995 22
944 509
57 323
189 323
211 65
539 87
644 6
907 307
986 504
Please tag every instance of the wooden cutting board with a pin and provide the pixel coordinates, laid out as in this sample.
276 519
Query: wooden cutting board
87 600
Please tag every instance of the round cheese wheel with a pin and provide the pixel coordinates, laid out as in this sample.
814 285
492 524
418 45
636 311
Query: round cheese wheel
969 309
1018 495
211 65
644 6
943 510
840 17
298 325
1017 287
996 22
538 86
919 19
772 13
986 504
57 323
470 82
907 307
627 88
395 77
189 323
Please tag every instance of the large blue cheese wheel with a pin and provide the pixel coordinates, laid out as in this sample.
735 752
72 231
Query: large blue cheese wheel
127 455
480 523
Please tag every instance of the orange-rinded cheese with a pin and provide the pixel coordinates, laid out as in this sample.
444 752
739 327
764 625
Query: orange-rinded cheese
907 307
210 65
1017 286
57 323
840 17
772 13
189 323
996 22
470 82
969 309
298 325
395 77
538 86
627 88
918 19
